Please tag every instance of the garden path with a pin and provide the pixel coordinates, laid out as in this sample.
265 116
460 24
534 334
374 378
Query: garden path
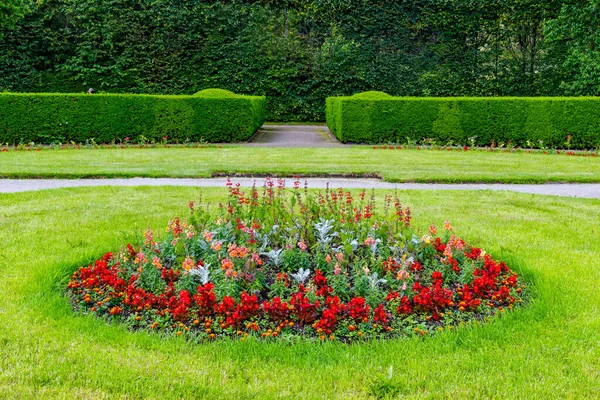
270 135
567 189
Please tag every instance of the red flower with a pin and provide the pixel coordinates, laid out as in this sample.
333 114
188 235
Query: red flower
474 253
169 275
180 306
380 315
439 246
304 311
226 306
392 296
416 267
358 309
206 299
405 306
131 250
320 279
329 317
247 308
454 264
276 310
391 265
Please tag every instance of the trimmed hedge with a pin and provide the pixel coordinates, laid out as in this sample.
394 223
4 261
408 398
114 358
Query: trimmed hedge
524 121
215 93
51 117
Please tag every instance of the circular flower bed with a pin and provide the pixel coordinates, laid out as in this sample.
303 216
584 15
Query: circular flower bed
282 263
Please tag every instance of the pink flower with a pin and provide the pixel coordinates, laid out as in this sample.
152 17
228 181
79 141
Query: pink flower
402 274
370 241
302 246
432 229
448 251
230 273
226 264
148 236
140 258
456 242
337 270
188 264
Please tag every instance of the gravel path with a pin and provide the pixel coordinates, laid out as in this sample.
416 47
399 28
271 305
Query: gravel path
294 136
569 190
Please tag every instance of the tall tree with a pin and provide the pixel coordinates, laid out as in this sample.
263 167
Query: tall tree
574 33
11 11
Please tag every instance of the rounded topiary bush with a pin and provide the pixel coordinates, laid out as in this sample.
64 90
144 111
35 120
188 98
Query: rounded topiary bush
371 95
215 93
272 262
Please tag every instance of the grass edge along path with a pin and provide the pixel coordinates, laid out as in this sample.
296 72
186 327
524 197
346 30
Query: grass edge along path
421 166
548 350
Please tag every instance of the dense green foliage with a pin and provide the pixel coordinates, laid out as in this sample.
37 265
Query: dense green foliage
575 32
540 122
12 11
297 53
106 118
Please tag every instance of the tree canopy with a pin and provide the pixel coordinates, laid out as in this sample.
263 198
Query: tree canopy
11 11
299 52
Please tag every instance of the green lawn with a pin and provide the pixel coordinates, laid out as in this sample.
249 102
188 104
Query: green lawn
392 165
549 350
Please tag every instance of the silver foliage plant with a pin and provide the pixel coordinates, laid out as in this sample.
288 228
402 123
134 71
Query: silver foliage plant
324 234
375 281
203 273
301 276
274 256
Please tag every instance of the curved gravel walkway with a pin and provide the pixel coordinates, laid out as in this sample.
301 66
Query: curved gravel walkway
569 190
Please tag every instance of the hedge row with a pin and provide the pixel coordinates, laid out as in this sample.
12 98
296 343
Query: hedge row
207 116
553 122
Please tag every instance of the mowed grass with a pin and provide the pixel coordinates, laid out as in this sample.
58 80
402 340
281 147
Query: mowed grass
393 165
550 349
